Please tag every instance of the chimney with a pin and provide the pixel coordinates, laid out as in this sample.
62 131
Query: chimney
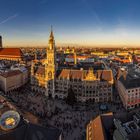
0 41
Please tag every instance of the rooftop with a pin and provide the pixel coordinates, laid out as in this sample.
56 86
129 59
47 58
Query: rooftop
100 127
105 75
132 80
10 52
10 73
129 130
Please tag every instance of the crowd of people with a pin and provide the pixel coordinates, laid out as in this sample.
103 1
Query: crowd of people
26 100
71 120
64 117
72 124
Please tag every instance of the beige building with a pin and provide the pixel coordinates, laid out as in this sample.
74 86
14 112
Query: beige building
100 54
12 80
87 85
128 87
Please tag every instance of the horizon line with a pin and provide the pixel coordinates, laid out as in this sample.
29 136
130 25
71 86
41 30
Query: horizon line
75 45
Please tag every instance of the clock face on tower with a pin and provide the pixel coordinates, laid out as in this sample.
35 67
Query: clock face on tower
50 75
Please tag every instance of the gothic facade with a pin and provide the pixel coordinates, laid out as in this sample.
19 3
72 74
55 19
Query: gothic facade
86 84
43 76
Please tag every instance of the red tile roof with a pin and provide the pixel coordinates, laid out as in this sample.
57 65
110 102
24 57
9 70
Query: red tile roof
64 73
10 52
81 74
105 75
97 130
10 73
74 74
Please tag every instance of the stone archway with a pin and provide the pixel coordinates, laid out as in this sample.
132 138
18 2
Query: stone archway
50 95
56 96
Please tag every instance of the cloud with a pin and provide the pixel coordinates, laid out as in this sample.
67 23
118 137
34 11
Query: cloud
8 19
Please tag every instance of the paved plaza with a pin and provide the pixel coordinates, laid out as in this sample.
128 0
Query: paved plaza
72 120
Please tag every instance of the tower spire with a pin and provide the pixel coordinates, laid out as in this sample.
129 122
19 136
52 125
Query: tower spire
51 35
51 28
51 40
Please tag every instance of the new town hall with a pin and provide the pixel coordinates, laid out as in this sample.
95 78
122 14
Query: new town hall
86 84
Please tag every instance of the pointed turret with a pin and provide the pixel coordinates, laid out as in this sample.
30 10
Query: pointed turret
51 40
90 75
51 34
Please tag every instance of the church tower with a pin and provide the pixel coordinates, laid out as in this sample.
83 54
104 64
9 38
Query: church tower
0 41
50 66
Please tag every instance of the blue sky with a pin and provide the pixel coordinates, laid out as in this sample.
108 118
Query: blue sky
83 22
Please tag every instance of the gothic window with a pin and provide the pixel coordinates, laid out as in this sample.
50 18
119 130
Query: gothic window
50 75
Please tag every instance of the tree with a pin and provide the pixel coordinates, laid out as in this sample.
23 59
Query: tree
71 99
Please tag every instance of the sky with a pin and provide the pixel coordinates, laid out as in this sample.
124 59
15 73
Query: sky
75 22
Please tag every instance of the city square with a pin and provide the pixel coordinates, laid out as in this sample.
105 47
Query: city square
69 70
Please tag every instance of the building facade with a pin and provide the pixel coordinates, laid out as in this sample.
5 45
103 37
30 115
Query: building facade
43 76
13 79
128 87
129 130
87 85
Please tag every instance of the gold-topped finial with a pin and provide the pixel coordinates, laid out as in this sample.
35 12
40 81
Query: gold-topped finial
90 75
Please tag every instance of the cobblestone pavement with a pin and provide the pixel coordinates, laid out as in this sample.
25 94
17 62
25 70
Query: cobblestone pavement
71 120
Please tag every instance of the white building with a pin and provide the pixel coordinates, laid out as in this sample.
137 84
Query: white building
13 79
128 87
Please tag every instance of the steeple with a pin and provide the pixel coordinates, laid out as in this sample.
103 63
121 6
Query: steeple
50 66
51 34
51 40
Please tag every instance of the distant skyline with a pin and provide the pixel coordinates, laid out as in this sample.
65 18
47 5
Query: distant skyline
80 22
